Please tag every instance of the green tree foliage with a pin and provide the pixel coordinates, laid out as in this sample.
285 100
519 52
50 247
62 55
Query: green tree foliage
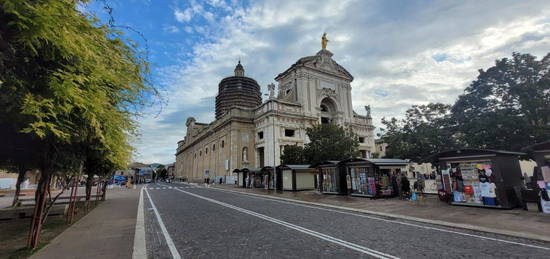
71 86
330 142
424 130
293 155
506 107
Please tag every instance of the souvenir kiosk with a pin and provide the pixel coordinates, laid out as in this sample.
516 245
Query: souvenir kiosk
540 152
240 177
373 177
540 182
331 177
479 177
269 177
295 177
251 177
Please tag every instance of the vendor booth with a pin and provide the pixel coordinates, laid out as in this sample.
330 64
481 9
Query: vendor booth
269 177
240 177
538 187
479 177
331 177
374 177
540 152
252 177
295 177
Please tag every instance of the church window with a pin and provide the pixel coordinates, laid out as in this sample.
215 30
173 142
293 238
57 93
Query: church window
200 153
288 91
223 143
361 140
261 135
289 133
214 147
206 151
324 108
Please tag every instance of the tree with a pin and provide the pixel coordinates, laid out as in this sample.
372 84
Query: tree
72 85
293 155
425 130
507 106
330 142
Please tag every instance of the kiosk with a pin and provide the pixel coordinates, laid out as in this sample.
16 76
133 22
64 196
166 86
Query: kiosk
374 178
479 177
332 177
295 177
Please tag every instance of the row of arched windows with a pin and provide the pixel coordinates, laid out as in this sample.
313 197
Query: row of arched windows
213 149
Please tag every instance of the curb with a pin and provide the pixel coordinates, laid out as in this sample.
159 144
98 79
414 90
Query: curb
391 215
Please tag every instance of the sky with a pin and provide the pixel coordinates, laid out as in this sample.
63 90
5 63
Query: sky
401 53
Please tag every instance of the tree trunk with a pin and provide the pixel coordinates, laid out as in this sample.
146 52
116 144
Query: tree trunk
104 190
89 183
20 178
40 204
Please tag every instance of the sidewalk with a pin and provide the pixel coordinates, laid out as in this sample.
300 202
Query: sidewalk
517 222
106 232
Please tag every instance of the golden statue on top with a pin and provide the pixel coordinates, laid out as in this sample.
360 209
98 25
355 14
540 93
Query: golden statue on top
324 41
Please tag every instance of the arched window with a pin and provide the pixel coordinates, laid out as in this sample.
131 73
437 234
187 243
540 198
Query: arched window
206 151
213 147
245 154
223 143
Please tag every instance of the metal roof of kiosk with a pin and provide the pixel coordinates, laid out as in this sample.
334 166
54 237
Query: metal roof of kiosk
294 167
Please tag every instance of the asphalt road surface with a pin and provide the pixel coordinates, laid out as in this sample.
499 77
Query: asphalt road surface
186 221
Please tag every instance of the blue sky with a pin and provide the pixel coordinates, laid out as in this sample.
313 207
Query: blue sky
400 52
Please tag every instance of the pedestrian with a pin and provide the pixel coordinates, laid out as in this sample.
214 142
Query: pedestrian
405 187
207 181
395 185
220 180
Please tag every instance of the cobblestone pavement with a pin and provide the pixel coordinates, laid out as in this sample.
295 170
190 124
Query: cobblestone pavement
211 223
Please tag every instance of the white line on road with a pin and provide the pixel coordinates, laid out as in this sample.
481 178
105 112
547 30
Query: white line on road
140 250
341 242
297 203
169 241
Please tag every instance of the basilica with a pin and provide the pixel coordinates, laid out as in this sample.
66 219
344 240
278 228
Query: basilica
249 133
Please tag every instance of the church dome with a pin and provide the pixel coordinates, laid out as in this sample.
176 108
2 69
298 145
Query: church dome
237 90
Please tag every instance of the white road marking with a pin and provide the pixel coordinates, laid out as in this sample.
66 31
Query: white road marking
169 241
337 241
393 221
140 250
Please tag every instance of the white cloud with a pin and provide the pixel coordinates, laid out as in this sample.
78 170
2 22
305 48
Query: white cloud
183 16
170 28
388 47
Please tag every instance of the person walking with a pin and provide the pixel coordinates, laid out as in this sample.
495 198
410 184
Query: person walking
405 187
207 181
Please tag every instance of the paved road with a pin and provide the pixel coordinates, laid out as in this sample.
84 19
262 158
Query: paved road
197 222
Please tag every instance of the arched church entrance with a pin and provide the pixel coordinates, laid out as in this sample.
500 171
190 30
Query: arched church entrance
328 111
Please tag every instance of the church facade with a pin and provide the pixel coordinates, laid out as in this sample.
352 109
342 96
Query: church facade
249 133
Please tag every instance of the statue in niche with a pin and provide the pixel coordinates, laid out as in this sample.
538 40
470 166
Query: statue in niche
245 154
324 41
